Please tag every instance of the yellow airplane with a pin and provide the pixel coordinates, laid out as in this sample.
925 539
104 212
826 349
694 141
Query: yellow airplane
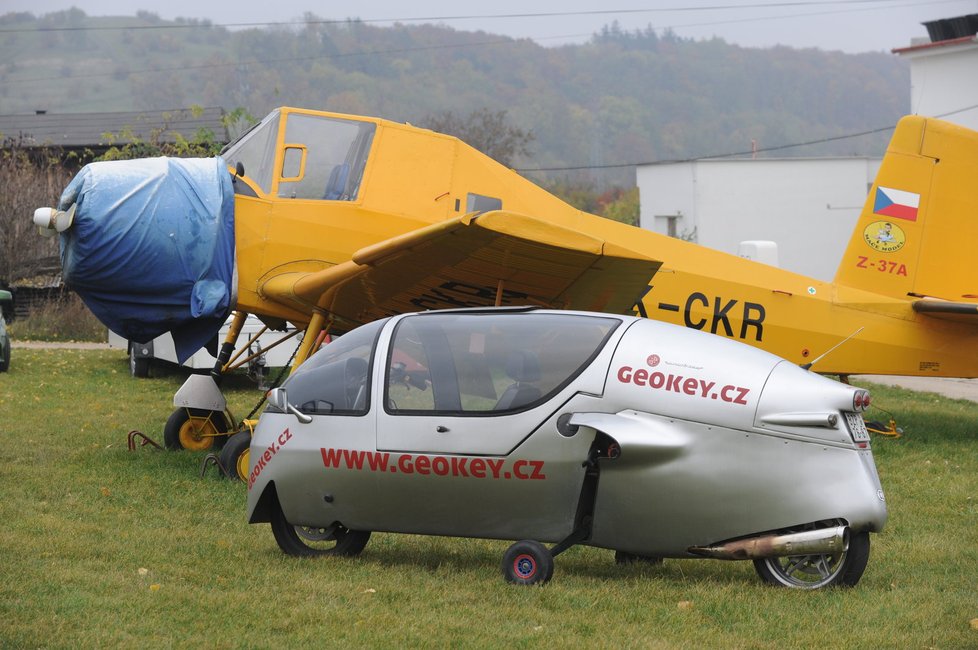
330 221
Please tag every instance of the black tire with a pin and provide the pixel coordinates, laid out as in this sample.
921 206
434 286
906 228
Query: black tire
815 571
528 562
624 557
5 355
138 366
306 541
235 456
195 429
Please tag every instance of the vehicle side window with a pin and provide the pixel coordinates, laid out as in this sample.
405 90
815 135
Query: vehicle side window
335 156
485 364
336 380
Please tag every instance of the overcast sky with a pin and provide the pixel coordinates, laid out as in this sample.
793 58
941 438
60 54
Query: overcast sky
848 25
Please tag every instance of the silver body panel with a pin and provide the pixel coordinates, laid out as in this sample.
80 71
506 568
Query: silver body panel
693 440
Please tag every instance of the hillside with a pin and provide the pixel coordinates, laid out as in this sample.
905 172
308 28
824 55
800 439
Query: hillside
619 98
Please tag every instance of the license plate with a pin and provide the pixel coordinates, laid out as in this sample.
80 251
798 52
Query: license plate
857 427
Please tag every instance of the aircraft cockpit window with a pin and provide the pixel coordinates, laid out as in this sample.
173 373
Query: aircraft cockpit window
481 365
255 150
335 156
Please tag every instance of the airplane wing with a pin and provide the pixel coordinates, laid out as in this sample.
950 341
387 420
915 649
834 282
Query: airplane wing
476 260
945 309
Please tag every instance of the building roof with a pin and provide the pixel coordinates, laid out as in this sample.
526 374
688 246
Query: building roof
960 30
963 40
73 130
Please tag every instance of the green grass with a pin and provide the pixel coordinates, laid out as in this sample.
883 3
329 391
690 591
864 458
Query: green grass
102 547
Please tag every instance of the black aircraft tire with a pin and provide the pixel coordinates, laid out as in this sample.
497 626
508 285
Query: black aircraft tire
194 429
235 456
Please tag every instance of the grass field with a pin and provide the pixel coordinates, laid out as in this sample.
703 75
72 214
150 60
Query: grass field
102 547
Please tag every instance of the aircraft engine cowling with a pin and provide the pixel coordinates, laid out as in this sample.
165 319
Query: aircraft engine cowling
151 247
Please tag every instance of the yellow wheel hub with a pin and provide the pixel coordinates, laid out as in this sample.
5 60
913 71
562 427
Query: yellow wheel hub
242 464
197 434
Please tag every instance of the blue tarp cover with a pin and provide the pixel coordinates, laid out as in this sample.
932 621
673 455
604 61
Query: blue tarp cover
151 249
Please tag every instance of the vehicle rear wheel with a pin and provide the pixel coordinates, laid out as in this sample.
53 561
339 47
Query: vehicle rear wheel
307 541
235 456
528 562
195 429
815 571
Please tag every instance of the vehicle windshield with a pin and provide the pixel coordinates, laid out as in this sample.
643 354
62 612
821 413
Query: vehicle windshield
336 380
255 150
324 157
488 363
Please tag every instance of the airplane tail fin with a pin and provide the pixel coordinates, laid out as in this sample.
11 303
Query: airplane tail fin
917 234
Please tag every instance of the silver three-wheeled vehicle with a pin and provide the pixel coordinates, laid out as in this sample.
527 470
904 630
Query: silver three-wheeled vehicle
569 428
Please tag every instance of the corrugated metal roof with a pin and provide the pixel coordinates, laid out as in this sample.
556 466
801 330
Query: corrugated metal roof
90 129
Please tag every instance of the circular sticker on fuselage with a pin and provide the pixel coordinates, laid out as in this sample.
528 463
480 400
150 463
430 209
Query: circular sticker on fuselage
884 236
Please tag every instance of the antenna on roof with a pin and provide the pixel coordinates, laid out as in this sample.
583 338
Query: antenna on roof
808 366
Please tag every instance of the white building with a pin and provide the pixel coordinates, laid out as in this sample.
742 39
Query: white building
944 71
808 207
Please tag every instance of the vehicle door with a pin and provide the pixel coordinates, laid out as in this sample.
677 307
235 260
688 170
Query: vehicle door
468 429
322 466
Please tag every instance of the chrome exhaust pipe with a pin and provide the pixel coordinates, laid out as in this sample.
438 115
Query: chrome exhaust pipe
824 541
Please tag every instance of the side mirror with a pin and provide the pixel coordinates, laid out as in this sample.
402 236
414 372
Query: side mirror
280 400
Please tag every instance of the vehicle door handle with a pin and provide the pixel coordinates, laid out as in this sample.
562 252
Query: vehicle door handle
441 429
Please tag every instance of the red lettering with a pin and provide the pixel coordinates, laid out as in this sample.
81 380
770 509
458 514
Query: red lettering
689 386
354 459
331 457
863 262
494 466
518 469
287 437
458 466
378 461
705 388
657 380
673 382
625 374
641 375
478 467
902 270
440 465
537 466
741 395
423 465
404 464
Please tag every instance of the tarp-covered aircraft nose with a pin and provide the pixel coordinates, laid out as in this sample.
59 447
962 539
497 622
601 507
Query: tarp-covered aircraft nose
150 248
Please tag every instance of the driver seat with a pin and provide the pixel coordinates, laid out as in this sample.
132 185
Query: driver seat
523 367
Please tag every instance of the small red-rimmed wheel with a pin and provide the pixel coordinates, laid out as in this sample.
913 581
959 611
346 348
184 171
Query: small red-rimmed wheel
528 563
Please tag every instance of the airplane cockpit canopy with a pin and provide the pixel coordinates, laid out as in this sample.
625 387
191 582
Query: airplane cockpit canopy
321 158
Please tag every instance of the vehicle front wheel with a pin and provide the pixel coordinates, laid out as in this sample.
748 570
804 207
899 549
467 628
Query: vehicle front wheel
815 571
235 456
528 562
195 429
307 541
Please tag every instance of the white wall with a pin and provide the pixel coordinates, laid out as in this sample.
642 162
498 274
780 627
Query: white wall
944 78
809 207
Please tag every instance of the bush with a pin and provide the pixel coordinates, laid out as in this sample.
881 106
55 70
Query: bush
65 319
